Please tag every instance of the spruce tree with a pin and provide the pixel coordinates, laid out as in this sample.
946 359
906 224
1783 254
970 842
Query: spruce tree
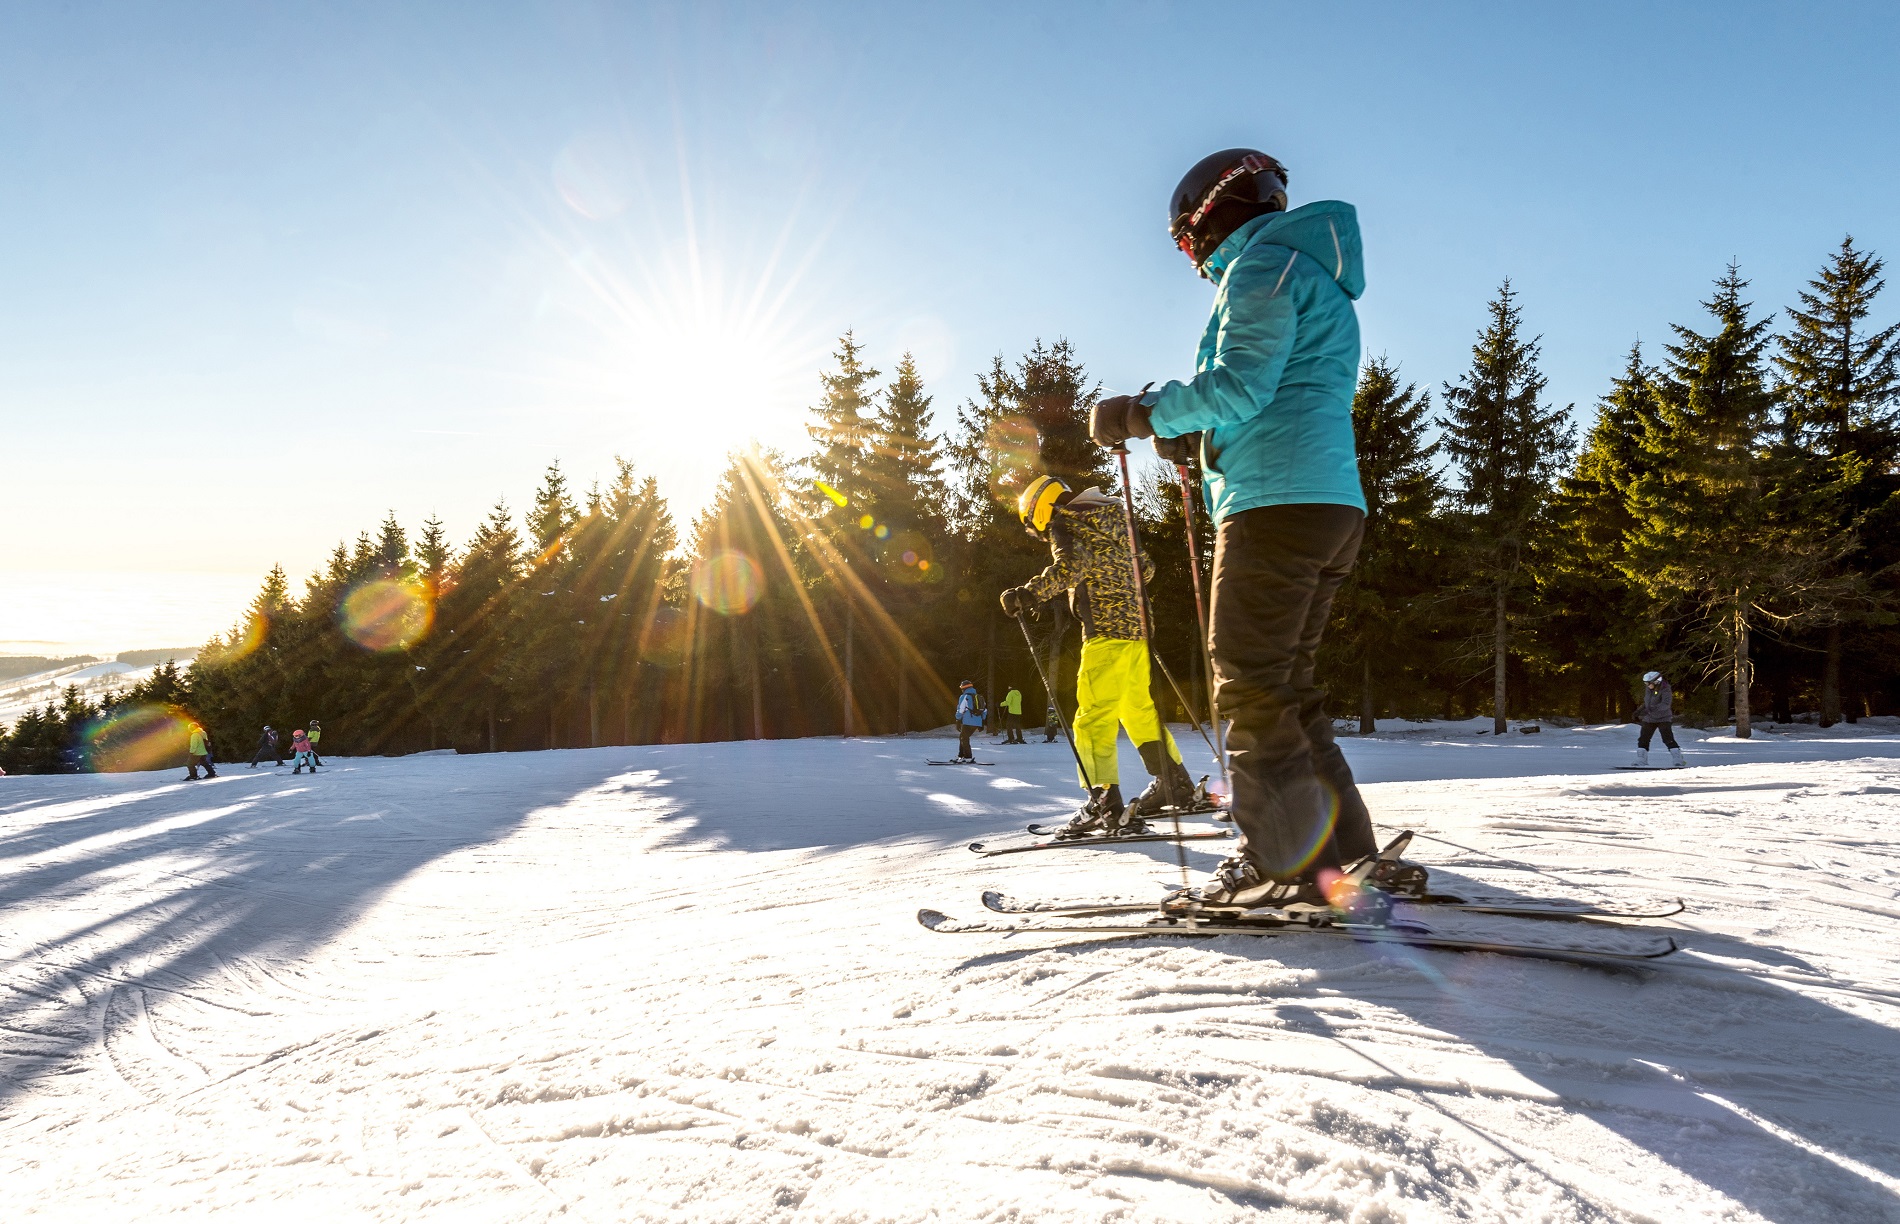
1599 623
1027 420
844 415
1840 395
838 504
544 657
475 630
906 499
1715 519
1381 610
760 664
1507 447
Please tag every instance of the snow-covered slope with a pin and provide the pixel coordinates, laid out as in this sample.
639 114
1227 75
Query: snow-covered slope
686 983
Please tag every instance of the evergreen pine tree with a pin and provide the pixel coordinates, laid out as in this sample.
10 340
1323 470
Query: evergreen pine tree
1715 520
1508 448
1381 610
1601 622
544 657
475 630
1840 396
1026 420
844 420
904 497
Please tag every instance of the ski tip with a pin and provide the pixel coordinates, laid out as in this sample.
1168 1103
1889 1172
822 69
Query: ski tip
993 900
932 920
977 847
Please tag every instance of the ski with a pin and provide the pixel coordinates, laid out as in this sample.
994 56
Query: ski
1043 830
989 851
929 762
1649 768
1632 948
1520 907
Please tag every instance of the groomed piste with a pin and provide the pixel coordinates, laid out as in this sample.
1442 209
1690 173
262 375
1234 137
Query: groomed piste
688 983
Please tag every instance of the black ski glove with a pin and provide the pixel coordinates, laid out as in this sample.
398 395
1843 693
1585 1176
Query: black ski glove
1184 449
1018 600
1118 418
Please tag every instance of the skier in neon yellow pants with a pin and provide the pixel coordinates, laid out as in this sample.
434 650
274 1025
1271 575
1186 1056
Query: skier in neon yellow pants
1111 691
1089 558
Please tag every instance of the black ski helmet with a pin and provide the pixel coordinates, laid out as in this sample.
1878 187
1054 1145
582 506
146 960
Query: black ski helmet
1221 193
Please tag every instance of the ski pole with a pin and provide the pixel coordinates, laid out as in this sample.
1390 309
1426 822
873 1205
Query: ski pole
1200 613
1148 639
1062 718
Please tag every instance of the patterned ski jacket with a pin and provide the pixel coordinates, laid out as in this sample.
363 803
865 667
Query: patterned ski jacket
1088 541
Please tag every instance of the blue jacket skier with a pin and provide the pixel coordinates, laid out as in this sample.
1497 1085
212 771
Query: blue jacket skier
969 718
1269 413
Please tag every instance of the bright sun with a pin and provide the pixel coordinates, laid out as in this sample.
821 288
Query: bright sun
692 334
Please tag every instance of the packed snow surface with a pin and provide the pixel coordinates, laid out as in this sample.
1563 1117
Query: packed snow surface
686 983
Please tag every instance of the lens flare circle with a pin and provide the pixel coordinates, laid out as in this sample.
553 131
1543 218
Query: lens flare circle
138 737
386 614
728 582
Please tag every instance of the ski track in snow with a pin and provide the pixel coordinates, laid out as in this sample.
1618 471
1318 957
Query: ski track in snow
686 983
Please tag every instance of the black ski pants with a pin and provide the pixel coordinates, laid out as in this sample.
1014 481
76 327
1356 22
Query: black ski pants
1649 732
1276 569
1014 722
964 731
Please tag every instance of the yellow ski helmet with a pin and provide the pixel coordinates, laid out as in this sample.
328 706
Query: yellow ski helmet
1038 502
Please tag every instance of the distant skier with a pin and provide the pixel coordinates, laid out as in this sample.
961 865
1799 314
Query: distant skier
1270 414
1051 723
1656 714
1013 715
267 746
316 733
969 718
198 754
304 753
1088 546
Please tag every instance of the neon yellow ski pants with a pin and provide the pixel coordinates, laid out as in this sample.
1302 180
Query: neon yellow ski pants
1112 689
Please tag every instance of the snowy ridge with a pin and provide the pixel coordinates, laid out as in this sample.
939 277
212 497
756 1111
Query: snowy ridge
686 983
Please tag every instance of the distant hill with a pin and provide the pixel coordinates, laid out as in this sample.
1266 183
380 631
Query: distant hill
145 658
27 665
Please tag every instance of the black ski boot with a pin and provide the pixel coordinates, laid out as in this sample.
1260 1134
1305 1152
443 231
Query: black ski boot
1154 800
1092 820
1390 873
1236 884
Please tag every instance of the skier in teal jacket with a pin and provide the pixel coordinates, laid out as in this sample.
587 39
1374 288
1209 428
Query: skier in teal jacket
1269 413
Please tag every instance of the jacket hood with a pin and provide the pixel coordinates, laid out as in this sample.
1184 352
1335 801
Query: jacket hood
1091 498
1325 230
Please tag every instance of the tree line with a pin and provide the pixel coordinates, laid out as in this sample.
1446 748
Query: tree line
1731 516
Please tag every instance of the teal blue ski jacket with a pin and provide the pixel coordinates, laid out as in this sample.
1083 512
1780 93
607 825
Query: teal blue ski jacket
1277 366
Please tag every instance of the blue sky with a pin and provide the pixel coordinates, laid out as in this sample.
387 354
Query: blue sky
273 270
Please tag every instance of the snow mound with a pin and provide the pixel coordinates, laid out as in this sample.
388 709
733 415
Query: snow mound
687 983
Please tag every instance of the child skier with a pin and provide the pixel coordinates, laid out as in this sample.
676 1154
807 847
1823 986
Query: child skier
1088 546
1270 414
267 745
1656 714
1051 723
305 754
969 718
316 733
